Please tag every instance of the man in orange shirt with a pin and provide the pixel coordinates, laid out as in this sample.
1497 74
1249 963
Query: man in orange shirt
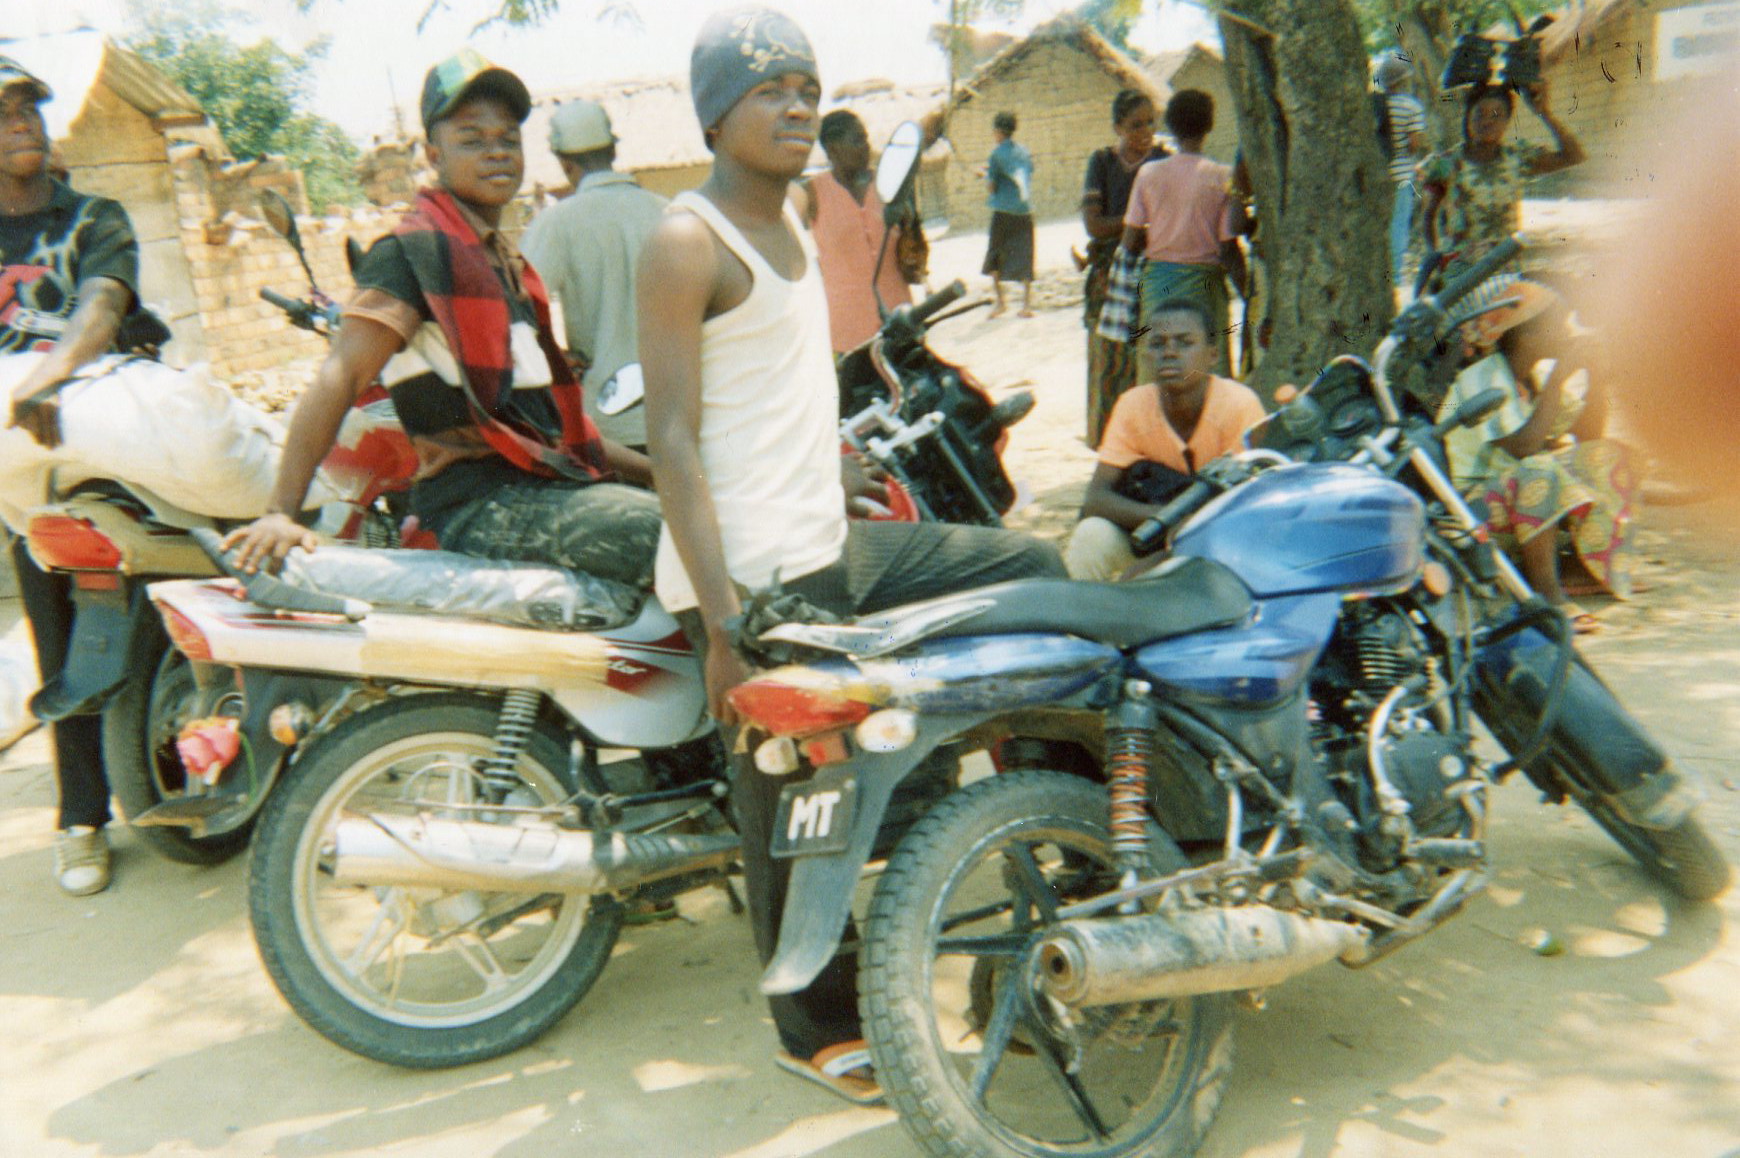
1187 417
845 216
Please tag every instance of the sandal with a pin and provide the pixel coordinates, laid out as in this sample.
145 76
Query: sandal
843 1068
1582 622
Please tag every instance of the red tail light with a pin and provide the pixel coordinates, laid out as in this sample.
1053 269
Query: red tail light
188 639
65 543
784 710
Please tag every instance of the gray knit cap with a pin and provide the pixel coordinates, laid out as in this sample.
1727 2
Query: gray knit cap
739 49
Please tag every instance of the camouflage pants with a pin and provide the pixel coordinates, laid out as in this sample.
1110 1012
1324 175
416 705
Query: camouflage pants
604 529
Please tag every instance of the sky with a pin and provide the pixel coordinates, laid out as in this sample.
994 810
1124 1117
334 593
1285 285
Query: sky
378 54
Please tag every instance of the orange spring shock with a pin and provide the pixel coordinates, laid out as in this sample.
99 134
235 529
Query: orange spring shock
1129 751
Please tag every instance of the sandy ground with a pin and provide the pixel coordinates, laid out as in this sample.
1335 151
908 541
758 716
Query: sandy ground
139 1022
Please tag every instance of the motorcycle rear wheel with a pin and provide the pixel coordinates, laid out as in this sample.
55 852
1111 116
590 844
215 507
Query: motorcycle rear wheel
140 726
973 1066
416 977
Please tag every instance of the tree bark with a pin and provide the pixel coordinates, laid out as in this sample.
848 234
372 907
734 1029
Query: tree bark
1322 190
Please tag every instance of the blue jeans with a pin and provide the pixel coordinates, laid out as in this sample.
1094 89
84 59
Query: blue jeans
1401 226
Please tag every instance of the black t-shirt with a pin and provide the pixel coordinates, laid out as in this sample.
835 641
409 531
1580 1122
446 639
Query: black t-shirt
429 406
1107 176
46 254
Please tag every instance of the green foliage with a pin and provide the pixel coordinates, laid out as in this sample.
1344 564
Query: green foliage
256 94
1112 19
1379 19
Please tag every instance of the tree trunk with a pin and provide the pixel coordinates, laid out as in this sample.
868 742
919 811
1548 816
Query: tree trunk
1320 184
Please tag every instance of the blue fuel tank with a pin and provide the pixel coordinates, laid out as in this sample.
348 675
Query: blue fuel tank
1313 527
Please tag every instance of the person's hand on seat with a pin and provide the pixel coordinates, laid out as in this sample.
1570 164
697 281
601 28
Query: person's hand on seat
266 541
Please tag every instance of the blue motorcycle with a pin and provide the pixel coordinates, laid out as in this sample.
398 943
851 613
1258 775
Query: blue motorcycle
1256 757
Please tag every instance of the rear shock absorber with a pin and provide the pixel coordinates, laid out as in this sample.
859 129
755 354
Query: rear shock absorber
1129 753
513 731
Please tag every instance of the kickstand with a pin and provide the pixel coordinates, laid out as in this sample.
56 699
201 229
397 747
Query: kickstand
737 908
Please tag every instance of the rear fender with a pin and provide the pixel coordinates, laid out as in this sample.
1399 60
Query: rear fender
819 898
262 693
107 645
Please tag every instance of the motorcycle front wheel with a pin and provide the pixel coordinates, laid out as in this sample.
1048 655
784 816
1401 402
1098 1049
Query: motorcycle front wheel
970 1052
1682 857
140 726
418 977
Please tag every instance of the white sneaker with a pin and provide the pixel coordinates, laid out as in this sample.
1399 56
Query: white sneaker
81 860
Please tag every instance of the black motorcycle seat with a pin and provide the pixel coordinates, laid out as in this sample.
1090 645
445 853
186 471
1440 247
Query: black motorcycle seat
1182 596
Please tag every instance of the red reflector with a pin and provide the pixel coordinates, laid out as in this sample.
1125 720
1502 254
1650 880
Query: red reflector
784 710
188 639
64 543
97 580
824 750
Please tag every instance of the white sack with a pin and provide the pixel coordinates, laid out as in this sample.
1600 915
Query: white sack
176 433
18 682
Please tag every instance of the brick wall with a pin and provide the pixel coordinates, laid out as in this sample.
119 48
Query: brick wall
232 255
1062 98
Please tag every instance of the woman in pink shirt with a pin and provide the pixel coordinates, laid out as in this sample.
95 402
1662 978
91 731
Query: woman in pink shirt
1178 218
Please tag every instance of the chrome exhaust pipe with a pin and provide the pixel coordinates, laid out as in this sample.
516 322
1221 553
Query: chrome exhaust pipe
438 853
1120 960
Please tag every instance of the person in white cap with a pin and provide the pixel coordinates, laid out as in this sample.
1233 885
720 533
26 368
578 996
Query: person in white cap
586 247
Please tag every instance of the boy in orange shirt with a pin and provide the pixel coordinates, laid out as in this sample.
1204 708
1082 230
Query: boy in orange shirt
1186 417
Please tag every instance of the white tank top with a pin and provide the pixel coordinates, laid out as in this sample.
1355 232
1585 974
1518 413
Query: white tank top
770 424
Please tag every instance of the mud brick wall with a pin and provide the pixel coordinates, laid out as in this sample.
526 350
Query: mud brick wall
1606 91
232 255
1062 97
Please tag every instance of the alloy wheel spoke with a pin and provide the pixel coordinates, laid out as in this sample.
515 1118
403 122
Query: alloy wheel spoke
1032 882
388 923
1001 945
979 914
1005 1009
1073 1091
476 952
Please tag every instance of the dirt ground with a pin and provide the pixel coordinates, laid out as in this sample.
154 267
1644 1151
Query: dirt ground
139 1022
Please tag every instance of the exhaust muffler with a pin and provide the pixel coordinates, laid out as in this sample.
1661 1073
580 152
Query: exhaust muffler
1119 960
438 853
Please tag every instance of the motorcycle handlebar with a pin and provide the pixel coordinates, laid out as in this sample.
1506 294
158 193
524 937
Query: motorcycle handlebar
301 313
1147 538
1477 273
940 300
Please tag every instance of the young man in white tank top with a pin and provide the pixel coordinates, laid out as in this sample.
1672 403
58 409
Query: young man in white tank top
742 426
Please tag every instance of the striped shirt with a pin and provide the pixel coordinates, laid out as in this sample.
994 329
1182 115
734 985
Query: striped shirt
1407 117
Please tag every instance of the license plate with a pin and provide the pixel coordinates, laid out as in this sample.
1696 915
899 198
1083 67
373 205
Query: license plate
813 819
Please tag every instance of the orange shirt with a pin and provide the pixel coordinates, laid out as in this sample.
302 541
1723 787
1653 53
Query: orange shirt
1138 431
848 237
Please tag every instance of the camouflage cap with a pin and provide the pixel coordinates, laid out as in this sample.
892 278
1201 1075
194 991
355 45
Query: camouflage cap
13 74
466 73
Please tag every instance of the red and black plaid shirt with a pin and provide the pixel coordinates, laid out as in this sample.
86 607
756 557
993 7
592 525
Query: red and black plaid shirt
467 300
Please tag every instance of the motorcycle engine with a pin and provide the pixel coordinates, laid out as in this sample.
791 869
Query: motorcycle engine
1378 649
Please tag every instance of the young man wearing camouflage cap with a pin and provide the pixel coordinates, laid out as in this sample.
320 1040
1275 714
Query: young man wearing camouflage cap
743 425
586 247
457 325
69 271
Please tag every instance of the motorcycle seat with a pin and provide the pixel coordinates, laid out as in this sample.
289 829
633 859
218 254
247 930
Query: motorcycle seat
1184 595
